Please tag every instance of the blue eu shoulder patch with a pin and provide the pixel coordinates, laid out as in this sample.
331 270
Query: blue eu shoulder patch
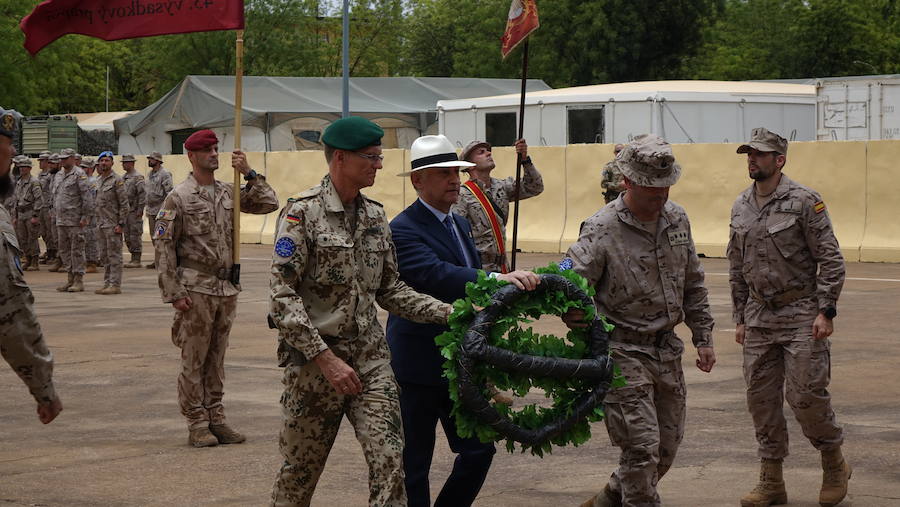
285 247
565 264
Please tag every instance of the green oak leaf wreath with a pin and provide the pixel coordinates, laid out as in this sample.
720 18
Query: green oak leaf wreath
574 372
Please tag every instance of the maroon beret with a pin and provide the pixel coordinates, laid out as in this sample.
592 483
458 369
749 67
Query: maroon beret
200 140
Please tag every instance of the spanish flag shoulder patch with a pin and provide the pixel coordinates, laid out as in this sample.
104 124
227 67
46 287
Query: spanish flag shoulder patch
819 207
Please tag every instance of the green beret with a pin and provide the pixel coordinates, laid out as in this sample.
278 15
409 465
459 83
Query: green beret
352 133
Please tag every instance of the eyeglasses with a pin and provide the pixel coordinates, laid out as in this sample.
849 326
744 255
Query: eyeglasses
371 158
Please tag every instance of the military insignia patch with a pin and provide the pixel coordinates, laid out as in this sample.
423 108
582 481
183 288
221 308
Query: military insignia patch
120 183
285 247
566 264
678 238
819 207
292 219
166 214
161 228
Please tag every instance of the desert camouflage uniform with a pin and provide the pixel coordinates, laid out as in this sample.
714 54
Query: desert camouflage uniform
159 184
326 278
21 341
73 203
112 210
786 266
48 228
646 285
500 193
92 238
137 200
29 201
612 182
194 257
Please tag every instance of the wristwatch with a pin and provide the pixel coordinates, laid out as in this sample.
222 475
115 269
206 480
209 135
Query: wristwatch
250 175
829 312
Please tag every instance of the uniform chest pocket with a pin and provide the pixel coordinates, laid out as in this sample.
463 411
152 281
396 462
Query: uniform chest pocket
197 220
787 237
375 248
334 259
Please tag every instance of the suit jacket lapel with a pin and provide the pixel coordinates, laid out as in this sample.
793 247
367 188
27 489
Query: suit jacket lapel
437 230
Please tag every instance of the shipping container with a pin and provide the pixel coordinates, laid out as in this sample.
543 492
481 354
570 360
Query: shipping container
858 108
50 133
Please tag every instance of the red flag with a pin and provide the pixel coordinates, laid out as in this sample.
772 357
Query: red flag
127 19
523 19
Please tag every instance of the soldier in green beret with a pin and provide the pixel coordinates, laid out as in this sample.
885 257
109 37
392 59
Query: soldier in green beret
334 259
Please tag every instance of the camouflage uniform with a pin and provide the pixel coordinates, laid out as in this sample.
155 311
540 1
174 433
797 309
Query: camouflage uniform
648 280
72 205
92 238
159 184
29 201
612 183
194 257
21 341
500 193
112 210
48 229
326 279
137 200
785 267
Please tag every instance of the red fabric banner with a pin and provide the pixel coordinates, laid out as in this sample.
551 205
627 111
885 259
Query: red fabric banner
523 19
127 19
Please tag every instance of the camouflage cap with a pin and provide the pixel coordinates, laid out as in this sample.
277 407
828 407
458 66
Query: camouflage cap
66 153
471 147
155 155
128 157
87 162
648 161
44 155
22 161
763 140
54 158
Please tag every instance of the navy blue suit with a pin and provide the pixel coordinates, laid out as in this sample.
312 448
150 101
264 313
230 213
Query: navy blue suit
429 262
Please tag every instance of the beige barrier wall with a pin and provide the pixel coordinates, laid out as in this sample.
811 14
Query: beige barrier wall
858 181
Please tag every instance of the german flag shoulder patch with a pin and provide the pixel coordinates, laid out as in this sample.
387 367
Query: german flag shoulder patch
819 207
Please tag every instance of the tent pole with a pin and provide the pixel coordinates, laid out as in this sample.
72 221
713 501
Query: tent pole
345 64
238 108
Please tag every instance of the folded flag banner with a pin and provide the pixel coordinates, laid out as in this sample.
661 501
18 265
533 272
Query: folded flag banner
523 19
127 19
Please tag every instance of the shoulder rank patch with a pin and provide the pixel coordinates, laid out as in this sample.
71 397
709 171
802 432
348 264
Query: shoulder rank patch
678 238
294 219
819 207
166 214
285 247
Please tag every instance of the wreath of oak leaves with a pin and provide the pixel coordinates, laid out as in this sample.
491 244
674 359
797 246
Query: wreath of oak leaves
508 334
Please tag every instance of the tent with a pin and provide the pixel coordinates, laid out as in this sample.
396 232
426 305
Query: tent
290 113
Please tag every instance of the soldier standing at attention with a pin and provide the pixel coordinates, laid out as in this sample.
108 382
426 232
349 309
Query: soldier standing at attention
74 208
639 255
137 199
612 183
112 210
26 213
50 200
91 232
21 341
786 273
159 184
484 201
334 259
47 232
194 230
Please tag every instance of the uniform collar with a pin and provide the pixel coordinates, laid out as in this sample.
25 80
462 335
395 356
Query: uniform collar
667 216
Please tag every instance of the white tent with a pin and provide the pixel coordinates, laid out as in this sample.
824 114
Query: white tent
290 113
680 111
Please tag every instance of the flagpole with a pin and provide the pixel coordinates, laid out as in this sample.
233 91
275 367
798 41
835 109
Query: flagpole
515 234
238 108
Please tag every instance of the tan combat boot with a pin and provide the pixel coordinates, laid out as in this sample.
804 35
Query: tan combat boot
90 268
225 434
770 490
152 265
111 289
26 262
77 284
606 498
57 265
201 437
101 289
135 261
835 475
65 287
35 264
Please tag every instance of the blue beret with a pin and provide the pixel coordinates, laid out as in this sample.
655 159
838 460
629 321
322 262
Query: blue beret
352 133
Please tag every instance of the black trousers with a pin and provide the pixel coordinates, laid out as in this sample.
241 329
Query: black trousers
421 408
